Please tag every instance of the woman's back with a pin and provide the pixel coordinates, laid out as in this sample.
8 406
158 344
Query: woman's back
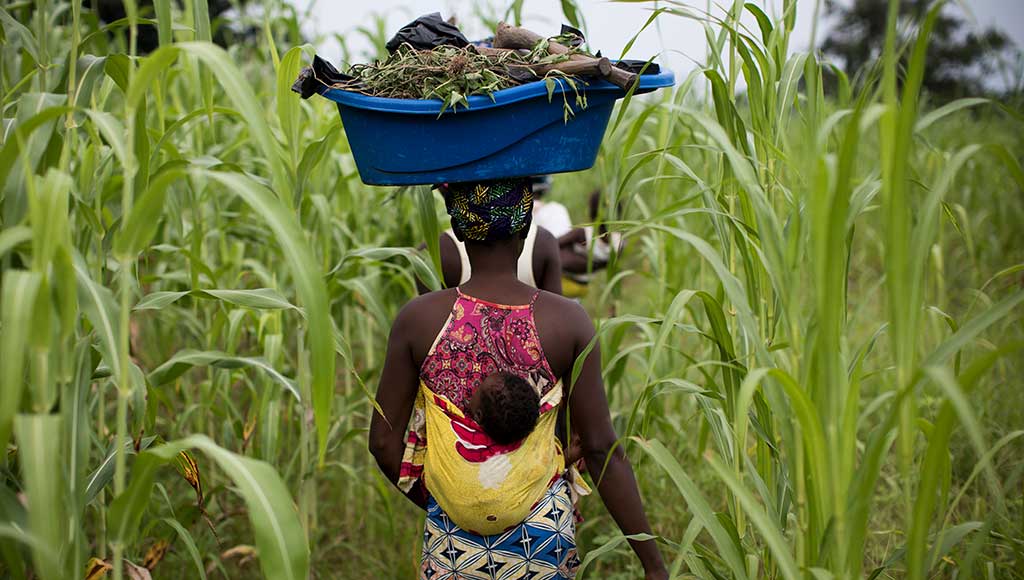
557 321
480 338
480 483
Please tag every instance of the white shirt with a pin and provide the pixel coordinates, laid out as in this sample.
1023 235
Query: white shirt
553 217
524 267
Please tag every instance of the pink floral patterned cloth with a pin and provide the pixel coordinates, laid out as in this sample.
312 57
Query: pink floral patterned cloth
482 338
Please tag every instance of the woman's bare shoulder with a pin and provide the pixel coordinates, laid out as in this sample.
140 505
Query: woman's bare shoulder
564 327
551 303
426 306
419 321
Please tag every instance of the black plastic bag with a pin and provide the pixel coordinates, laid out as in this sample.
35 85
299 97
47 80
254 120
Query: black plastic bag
427 32
318 77
635 66
577 34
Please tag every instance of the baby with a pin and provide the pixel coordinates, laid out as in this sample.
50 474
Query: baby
505 406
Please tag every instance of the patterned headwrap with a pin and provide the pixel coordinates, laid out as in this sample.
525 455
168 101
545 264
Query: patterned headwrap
490 210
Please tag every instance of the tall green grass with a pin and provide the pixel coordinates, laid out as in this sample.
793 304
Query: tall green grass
811 337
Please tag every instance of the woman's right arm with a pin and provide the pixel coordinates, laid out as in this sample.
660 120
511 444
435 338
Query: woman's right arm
616 485
395 396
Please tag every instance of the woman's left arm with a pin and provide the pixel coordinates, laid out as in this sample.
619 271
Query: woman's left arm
605 459
395 396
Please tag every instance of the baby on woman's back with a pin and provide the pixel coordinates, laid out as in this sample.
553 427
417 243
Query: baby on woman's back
505 406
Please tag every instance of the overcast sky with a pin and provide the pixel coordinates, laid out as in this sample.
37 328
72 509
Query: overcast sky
679 41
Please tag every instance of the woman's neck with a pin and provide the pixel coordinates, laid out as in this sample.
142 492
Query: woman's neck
494 263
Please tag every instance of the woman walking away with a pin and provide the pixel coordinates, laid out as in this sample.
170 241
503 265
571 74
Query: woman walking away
497 510
585 251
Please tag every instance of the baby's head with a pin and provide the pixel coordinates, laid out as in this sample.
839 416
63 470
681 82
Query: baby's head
506 406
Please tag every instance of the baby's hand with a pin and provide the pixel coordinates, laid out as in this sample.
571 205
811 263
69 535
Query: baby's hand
575 451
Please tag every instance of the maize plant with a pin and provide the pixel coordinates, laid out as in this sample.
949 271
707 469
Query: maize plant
811 336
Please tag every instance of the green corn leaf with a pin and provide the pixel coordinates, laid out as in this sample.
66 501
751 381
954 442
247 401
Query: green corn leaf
650 20
971 329
190 546
946 110
259 298
15 31
141 225
949 538
201 22
185 360
430 228
697 504
772 535
918 562
238 90
182 122
103 474
17 302
763 22
732 285
90 70
104 31
159 300
11 158
310 286
102 312
315 153
112 130
37 544
34 124
12 237
982 464
164 21
280 539
423 272
288 109
152 68
958 404
608 546
39 442
1011 163
116 67
789 82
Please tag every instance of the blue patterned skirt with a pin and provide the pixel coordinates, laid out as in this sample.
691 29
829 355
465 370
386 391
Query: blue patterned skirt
543 547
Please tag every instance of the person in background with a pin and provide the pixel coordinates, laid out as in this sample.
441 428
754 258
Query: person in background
550 215
582 253
498 510
538 264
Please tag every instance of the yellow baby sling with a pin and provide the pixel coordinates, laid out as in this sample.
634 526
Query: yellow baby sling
483 486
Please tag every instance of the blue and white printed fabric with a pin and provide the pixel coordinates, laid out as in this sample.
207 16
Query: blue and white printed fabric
543 547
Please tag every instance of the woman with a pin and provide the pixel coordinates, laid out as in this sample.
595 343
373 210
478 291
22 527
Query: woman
497 510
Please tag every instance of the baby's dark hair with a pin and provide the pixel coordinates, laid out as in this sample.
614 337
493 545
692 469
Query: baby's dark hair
509 409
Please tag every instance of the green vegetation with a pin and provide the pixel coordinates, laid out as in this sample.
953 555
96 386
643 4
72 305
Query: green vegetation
447 73
812 337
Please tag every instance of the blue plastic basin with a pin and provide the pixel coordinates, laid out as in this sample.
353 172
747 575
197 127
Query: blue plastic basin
517 134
